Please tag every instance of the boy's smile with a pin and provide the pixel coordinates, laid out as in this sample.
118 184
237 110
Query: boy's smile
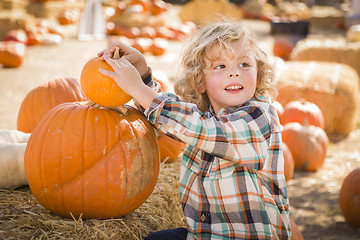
230 76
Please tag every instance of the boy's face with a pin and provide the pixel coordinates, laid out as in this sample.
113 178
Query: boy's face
230 76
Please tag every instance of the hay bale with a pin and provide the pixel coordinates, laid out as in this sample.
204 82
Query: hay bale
330 50
14 20
204 11
327 18
333 87
52 9
23 217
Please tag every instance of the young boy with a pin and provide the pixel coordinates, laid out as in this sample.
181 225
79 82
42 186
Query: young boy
232 183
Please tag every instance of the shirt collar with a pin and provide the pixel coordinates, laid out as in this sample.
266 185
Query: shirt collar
230 110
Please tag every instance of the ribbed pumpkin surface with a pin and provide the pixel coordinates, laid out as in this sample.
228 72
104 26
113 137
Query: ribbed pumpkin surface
43 98
92 161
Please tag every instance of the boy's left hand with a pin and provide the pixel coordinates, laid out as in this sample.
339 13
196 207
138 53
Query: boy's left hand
125 74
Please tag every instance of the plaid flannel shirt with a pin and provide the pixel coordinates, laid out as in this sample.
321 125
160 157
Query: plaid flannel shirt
232 183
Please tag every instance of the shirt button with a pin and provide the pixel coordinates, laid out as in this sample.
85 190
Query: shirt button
202 218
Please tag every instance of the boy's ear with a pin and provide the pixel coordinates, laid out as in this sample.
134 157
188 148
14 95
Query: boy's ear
201 88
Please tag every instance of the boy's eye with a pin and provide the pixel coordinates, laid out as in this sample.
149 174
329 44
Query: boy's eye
244 64
220 66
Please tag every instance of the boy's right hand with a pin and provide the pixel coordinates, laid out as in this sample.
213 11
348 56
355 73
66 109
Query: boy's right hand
129 53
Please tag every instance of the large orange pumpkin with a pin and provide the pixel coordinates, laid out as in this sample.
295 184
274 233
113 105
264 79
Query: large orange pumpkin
100 88
170 149
349 198
307 143
43 98
301 111
92 161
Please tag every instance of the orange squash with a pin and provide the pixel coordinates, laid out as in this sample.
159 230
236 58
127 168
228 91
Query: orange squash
158 7
349 198
12 53
170 149
158 46
302 110
288 162
41 99
100 88
283 48
307 143
91 161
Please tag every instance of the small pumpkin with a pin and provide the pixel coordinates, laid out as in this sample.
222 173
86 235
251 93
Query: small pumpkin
349 198
12 53
288 162
302 110
43 98
91 161
142 44
170 149
36 35
99 88
12 149
158 46
147 32
18 35
283 48
307 143
158 7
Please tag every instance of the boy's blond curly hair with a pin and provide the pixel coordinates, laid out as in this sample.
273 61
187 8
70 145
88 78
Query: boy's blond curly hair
197 50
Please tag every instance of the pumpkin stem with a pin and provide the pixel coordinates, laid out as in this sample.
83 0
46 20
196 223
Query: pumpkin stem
116 53
122 109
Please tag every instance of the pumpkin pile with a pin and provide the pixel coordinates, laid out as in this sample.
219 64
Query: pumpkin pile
146 25
303 136
14 43
87 160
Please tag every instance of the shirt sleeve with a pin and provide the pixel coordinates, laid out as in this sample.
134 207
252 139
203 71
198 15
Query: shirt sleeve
241 137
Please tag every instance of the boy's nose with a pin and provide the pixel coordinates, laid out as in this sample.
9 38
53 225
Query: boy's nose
235 75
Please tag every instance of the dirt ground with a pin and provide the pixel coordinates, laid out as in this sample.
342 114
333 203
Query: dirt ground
313 196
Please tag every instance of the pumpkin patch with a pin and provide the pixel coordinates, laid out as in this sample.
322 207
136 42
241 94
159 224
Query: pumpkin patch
314 195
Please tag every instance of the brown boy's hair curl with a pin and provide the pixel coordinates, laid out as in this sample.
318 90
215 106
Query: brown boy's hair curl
197 49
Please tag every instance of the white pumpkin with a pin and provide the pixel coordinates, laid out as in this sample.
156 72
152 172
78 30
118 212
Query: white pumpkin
12 149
